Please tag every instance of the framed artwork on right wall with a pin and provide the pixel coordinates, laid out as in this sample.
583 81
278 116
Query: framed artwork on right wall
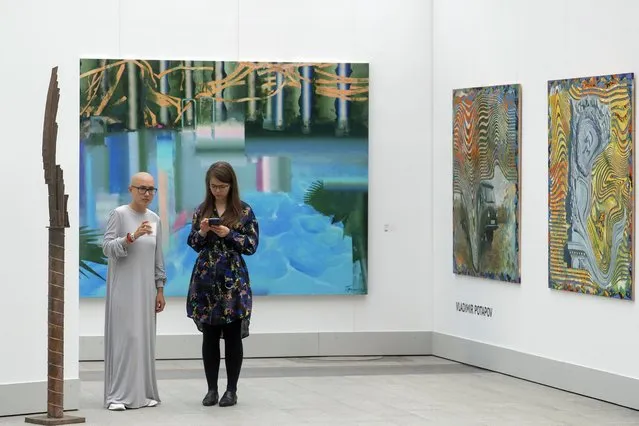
486 170
590 185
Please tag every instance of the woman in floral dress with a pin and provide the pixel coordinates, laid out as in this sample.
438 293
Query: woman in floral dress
219 299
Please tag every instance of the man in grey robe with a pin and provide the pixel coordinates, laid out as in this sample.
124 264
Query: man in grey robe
134 295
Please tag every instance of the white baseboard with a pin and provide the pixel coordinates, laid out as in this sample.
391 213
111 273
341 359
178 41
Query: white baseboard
585 381
277 345
31 397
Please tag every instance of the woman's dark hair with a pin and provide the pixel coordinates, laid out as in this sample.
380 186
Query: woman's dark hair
223 172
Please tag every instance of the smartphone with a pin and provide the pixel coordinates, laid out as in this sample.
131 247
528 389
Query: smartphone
214 221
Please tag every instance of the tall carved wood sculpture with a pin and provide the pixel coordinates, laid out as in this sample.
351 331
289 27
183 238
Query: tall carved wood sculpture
58 222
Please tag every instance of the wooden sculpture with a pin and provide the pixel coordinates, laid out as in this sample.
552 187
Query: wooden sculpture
58 222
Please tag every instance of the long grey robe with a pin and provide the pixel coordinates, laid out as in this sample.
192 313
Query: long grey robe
134 272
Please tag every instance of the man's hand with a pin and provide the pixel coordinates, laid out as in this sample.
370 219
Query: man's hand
143 229
160 303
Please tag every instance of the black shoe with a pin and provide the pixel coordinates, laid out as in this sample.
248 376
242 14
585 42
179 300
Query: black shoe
229 398
210 398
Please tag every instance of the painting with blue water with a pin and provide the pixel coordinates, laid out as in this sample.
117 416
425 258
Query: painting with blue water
295 133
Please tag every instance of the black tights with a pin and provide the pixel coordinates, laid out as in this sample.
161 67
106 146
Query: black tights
233 353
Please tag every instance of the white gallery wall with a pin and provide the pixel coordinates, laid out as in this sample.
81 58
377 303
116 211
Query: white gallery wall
37 35
396 43
491 42
418 51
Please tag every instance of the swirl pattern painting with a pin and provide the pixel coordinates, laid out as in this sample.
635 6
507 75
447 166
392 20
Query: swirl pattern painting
590 188
486 135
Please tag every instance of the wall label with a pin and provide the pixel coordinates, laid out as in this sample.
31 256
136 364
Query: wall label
470 308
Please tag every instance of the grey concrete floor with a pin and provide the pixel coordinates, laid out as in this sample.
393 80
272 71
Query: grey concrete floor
351 391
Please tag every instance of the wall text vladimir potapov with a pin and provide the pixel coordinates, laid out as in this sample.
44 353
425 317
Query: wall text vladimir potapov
470 308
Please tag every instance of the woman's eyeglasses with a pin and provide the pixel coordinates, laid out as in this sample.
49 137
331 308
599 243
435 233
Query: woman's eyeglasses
219 187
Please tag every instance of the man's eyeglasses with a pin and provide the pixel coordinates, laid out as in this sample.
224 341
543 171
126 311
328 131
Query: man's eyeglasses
144 189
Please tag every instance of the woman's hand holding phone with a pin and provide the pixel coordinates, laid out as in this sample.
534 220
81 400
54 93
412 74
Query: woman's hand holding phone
220 230
204 226
215 224
212 224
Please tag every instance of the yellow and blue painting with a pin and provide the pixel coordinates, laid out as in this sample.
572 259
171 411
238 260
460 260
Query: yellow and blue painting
295 133
591 187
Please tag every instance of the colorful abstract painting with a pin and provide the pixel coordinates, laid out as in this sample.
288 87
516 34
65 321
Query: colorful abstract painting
591 188
296 134
486 138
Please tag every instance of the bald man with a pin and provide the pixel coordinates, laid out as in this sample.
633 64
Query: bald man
134 296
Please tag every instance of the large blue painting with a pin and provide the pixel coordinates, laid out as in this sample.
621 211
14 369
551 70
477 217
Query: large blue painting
296 134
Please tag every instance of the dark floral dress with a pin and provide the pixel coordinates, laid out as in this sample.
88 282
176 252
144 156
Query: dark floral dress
220 289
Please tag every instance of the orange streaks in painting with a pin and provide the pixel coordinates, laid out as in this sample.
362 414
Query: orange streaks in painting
92 92
102 68
150 119
325 86
183 68
107 96
120 101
